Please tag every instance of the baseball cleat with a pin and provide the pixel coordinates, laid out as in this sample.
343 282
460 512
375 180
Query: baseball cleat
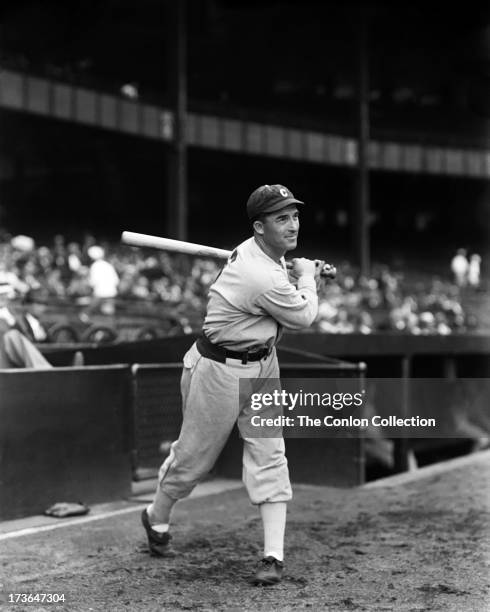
157 542
269 572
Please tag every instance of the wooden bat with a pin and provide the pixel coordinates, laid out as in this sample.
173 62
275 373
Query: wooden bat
198 250
175 246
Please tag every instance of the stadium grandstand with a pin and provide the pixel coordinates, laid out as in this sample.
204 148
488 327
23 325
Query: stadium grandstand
161 118
88 95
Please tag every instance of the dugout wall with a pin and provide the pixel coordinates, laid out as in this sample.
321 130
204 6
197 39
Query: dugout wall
157 417
63 437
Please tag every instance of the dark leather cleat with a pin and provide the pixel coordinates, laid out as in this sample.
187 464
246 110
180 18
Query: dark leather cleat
157 542
269 572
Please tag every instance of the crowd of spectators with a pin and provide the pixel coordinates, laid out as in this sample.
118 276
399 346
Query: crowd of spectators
177 284
388 301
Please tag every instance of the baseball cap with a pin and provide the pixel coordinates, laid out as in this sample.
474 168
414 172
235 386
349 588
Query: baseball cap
269 198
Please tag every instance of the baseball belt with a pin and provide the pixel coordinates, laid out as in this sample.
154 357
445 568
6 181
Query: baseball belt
218 353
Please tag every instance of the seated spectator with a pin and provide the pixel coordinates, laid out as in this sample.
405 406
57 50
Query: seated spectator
74 257
384 301
16 350
141 288
443 328
54 283
8 276
79 286
364 323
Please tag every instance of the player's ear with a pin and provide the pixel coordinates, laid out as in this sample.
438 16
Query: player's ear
258 226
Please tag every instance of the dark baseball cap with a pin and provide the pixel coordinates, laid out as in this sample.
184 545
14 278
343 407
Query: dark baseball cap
268 199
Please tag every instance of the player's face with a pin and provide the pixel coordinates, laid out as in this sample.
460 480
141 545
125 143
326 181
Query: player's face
280 229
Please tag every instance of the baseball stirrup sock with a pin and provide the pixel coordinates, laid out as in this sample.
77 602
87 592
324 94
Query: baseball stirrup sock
274 522
161 508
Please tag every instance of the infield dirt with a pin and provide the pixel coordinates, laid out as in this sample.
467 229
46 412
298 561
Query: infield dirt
424 545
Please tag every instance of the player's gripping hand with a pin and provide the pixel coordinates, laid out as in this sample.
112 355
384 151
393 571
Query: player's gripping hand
319 265
303 267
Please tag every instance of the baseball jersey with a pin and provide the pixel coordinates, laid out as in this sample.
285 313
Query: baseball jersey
253 298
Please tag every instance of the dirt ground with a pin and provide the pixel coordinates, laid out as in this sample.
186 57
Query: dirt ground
424 545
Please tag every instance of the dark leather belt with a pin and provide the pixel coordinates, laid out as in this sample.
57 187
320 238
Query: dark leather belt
219 353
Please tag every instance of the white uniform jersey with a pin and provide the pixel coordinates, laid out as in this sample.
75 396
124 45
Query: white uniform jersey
253 298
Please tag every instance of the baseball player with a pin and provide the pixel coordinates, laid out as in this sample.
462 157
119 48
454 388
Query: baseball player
250 302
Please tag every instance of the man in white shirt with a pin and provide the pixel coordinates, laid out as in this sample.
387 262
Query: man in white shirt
459 267
474 271
250 302
103 279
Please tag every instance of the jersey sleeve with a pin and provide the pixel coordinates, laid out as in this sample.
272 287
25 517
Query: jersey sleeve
294 308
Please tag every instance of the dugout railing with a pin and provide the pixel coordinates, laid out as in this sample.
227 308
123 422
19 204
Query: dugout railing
387 355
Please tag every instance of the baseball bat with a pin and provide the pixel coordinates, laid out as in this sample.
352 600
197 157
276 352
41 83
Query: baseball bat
190 248
175 246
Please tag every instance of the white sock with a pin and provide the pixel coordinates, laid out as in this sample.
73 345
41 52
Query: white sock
273 553
158 527
161 509
274 522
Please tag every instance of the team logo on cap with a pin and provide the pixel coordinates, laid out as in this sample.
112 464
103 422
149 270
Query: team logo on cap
283 192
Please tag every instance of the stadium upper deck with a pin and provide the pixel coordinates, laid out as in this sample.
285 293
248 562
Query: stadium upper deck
428 63
274 82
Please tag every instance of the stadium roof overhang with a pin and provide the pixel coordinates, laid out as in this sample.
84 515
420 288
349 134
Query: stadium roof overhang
428 63
24 93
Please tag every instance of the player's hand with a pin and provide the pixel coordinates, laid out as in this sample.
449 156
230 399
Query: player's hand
329 271
303 267
318 268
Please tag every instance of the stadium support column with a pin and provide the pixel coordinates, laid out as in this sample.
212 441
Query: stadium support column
361 207
176 205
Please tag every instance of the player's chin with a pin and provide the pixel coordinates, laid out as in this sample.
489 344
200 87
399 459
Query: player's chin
291 243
